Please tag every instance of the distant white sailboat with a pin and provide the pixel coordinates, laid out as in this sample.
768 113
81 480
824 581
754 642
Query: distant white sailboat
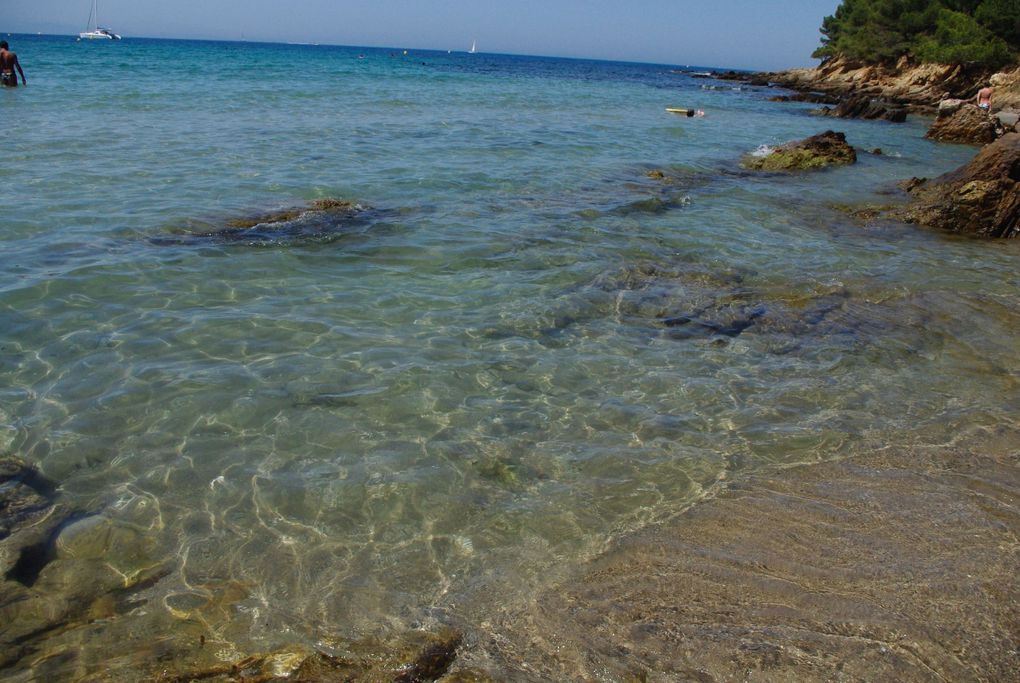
93 31
472 50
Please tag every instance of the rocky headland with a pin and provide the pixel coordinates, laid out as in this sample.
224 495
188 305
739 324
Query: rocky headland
979 199
847 89
916 87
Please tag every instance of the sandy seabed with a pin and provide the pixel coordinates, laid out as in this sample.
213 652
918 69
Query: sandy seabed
897 565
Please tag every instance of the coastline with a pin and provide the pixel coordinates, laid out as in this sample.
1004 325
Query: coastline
918 87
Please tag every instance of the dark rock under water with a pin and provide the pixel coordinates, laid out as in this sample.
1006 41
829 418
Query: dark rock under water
25 494
690 302
414 657
324 220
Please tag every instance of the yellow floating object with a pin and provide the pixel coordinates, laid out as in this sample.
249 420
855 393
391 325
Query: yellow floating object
685 112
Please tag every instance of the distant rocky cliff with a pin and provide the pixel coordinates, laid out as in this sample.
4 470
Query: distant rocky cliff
919 87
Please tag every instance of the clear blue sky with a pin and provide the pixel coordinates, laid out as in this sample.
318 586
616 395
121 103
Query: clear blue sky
752 34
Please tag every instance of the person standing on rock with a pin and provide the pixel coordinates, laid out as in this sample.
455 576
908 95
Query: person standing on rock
984 98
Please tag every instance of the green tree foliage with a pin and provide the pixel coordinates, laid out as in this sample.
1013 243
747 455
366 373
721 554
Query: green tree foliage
1001 17
984 33
959 39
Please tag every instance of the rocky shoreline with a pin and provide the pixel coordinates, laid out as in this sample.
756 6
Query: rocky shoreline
979 199
917 87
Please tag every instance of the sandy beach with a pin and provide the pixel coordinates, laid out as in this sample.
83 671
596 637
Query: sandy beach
894 565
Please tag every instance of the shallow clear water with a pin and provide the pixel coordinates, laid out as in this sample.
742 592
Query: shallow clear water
523 347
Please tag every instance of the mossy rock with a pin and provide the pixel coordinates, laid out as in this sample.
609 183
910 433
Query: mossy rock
326 204
818 151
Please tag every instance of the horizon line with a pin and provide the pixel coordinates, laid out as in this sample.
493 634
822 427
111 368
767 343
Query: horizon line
383 47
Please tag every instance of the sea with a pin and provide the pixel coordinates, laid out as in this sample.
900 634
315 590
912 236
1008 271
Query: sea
555 314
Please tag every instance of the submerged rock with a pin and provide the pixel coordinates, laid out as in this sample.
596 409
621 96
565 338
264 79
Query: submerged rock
962 122
323 219
415 658
286 215
28 517
25 494
692 304
63 569
981 198
818 151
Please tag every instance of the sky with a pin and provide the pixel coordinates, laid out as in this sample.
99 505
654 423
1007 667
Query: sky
741 34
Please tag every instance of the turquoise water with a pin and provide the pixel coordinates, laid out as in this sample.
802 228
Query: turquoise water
521 347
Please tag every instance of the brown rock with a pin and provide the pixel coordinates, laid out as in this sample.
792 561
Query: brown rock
917 86
981 198
813 97
967 124
415 657
864 107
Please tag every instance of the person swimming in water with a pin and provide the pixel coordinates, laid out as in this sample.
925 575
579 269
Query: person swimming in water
8 63
689 113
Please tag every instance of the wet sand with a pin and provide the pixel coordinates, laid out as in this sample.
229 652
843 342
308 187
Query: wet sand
891 566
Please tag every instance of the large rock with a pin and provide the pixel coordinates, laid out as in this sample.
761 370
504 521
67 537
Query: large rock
27 514
818 151
961 122
1008 121
981 198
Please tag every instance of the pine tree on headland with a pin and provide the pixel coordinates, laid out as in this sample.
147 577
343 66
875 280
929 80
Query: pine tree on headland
973 33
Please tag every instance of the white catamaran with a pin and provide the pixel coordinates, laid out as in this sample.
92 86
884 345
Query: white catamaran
93 31
473 47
